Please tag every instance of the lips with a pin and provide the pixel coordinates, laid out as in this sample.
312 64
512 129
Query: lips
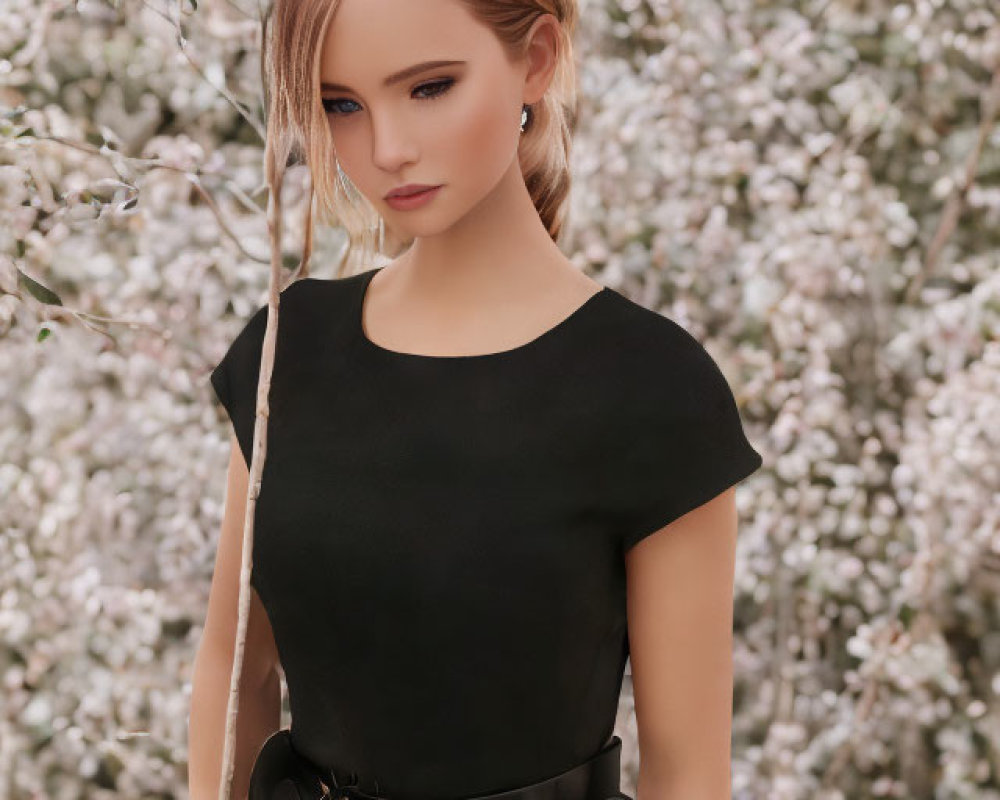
410 202
410 188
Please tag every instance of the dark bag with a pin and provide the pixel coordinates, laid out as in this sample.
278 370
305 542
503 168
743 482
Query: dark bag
282 773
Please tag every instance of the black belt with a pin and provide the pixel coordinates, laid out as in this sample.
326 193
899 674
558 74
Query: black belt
280 772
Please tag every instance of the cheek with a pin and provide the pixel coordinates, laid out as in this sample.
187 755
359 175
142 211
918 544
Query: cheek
353 149
347 144
480 139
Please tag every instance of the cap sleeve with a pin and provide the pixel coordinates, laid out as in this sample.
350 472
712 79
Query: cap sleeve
235 377
687 439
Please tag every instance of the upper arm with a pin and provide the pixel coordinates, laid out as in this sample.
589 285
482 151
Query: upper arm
680 619
260 657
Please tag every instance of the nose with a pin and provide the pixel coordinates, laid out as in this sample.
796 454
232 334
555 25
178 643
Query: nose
391 147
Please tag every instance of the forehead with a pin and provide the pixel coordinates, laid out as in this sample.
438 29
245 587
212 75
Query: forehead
369 39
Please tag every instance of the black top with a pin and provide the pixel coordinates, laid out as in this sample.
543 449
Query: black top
439 540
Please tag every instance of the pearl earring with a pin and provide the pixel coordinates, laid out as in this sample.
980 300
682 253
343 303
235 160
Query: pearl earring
524 117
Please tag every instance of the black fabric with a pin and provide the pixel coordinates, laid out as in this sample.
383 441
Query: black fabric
280 772
439 540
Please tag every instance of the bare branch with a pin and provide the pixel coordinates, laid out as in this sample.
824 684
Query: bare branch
989 103
154 163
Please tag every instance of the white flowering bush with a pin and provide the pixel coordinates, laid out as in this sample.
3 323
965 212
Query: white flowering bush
812 189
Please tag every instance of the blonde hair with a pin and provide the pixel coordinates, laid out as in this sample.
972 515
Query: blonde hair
297 128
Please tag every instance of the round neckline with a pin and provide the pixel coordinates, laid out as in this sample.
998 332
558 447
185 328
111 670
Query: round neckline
549 333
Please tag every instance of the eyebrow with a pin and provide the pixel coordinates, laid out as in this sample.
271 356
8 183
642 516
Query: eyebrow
396 77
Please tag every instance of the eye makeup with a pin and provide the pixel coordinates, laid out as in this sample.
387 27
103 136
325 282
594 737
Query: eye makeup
435 89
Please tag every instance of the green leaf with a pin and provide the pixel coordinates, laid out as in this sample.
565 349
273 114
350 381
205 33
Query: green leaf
41 293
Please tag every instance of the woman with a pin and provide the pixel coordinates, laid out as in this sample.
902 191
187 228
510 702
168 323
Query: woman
488 479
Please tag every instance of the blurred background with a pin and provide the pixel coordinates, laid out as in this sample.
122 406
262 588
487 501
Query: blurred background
811 188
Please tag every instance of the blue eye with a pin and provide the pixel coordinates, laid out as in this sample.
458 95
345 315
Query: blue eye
436 89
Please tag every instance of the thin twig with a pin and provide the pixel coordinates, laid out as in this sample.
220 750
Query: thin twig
155 163
989 103
181 39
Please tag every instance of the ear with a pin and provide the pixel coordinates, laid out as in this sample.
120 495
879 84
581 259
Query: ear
542 56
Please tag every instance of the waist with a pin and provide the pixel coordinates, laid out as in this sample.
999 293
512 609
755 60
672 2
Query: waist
280 772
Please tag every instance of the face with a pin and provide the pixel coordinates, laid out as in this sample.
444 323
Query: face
456 124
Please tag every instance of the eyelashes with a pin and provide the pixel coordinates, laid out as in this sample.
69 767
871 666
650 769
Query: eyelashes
438 89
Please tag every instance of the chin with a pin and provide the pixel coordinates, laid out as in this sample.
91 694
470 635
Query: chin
424 230
419 222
